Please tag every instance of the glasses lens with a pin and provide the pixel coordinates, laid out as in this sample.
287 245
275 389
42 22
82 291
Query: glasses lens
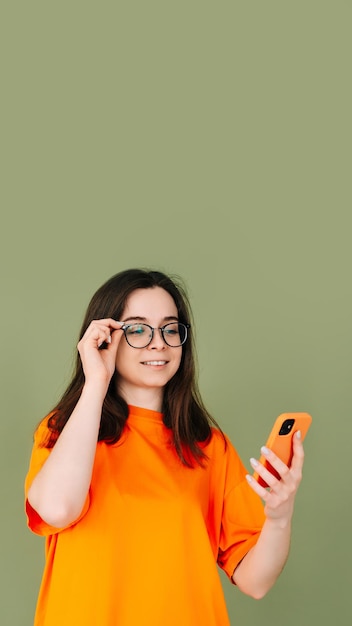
138 335
175 334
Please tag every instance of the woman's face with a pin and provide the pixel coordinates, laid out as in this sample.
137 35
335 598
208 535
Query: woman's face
144 372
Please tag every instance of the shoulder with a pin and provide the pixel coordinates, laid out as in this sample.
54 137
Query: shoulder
224 462
221 444
42 432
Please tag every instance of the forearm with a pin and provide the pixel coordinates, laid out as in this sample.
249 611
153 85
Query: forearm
260 568
59 490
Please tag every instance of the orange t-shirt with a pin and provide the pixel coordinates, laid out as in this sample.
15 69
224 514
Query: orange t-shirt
146 546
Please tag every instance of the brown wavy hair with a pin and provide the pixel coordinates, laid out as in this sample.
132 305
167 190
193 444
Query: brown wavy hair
183 410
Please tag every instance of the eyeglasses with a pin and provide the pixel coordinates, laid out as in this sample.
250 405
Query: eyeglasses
141 335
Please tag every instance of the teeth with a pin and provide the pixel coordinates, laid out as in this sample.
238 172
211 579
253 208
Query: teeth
154 362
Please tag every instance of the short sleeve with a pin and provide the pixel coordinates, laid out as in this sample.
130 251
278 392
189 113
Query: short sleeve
242 515
38 457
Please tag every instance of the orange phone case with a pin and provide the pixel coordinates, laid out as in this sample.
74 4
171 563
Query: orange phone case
280 439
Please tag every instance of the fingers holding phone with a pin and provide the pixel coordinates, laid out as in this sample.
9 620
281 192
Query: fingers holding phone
270 469
281 442
278 473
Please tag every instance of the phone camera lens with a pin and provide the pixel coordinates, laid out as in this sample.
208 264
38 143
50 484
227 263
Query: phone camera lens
286 427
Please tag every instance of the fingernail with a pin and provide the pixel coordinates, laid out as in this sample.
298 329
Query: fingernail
253 462
264 450
249 478
108 339
299 434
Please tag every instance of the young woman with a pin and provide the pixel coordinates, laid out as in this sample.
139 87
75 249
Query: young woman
138 492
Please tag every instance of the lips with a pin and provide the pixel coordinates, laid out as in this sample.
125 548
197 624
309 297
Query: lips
154 362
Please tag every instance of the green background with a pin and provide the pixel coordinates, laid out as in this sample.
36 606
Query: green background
211 140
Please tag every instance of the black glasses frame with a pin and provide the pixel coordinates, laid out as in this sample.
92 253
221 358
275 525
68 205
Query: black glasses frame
125 327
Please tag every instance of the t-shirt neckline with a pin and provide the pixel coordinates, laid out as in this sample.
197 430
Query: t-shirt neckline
141 412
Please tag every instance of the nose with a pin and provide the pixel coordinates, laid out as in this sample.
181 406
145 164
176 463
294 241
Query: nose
157 343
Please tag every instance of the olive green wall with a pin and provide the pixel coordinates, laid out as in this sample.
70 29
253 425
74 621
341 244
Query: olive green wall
211 140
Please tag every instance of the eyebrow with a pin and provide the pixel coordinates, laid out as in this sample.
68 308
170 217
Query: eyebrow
137 318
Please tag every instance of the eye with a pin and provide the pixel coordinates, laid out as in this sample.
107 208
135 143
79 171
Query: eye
171 329
136 329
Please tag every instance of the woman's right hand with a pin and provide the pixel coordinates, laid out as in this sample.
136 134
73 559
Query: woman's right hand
99 363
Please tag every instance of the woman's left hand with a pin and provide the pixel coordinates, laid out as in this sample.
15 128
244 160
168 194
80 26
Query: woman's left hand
279 497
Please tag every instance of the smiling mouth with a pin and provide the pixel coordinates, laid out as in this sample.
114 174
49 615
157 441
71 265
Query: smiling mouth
154 362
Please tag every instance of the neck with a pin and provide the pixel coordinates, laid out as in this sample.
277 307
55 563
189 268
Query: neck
146 398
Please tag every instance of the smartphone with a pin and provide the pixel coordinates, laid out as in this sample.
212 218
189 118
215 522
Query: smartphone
280 440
